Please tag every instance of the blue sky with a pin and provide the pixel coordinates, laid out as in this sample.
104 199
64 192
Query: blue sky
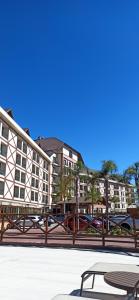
70 69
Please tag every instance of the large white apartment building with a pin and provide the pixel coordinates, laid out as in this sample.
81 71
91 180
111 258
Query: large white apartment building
64 156
25 169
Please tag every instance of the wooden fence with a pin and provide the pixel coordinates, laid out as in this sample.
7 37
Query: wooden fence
71 230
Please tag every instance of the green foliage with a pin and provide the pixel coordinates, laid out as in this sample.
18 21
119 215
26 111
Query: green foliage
132 173
119 231
108 167
64 187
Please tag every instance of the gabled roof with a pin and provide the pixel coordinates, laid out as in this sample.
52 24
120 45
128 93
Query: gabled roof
54 145
9 112
27 131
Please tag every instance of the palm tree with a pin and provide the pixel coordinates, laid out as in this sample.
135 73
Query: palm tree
108 168
94 196
64 188
114 199
132 173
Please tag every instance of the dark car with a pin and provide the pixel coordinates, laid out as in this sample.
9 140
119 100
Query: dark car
59 218
82 222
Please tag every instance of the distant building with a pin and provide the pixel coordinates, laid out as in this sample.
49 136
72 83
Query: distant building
64 156
25 169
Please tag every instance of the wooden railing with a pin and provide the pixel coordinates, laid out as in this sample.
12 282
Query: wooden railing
72 230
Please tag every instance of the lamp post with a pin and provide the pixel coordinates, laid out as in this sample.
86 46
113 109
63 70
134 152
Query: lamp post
107 201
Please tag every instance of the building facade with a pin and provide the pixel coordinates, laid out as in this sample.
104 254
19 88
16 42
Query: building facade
65 157
25 169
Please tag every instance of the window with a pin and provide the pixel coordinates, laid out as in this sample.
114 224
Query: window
22 193
33 181
37 183
33 169
36 196
2 168
38 158
45 199
24 147
45 176
17 175
70 153
32 195
1 188
45 165
18 159
37 171
16 191
23 177
24 162
3 150
44 187
34 155
5 132
19 143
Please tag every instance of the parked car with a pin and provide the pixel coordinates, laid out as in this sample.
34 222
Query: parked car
125 221
50 220
59 218
84 222
27 222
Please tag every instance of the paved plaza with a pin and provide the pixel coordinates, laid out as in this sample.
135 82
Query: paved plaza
31 273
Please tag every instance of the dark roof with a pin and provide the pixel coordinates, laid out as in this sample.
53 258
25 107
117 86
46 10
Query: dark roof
55 145
9 112
26 131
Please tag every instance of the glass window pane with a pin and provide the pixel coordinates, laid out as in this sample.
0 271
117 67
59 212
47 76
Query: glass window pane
17 175
23 177
33 169
18 159
22 193
2 168
36 196
24 147
1 188
34 155
33 181
19 143
16 191
38 158
5 132
37 183
37 171
32 195
24 162
3 150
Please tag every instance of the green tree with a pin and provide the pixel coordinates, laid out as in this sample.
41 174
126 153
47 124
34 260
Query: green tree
64 188
114 199
94 196
108 168
132 173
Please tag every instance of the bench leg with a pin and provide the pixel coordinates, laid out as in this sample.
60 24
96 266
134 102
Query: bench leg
81 289
93 281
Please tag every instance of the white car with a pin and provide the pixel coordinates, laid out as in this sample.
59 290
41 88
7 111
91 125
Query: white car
31 220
